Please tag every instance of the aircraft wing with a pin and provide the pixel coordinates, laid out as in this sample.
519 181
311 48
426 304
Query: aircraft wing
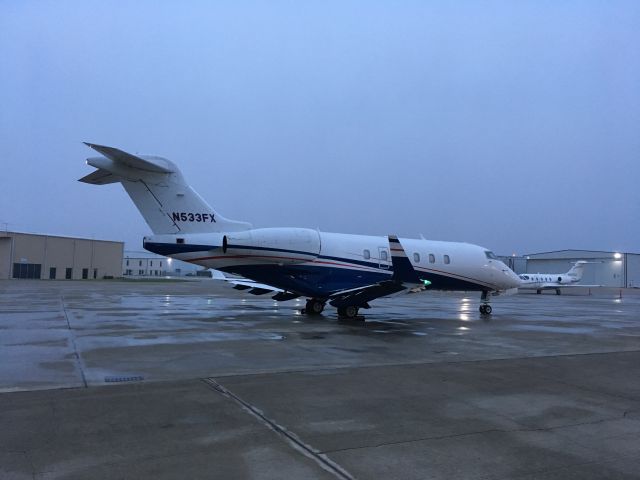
363 295
253 287
405 278
554 287
574 285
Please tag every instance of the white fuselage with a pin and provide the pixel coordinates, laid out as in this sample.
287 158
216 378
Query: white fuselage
537 281
331 262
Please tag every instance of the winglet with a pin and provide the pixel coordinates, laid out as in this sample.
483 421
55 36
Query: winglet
403 271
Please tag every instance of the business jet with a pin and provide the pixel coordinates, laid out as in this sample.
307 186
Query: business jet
346 271
554 281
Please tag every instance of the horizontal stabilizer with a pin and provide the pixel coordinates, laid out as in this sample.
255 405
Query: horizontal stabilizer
159 165
100 177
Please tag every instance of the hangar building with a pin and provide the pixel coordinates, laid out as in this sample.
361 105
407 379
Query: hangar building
29 255
609 269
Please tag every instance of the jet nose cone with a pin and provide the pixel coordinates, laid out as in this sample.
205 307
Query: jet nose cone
516 282
509 279
513 279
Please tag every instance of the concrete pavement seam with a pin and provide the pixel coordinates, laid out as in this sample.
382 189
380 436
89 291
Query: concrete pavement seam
73 342
319 457
465 434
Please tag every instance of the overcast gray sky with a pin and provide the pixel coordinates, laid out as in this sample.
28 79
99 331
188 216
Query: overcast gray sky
514 125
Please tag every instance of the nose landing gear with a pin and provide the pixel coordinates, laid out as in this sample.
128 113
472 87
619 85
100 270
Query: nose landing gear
485 308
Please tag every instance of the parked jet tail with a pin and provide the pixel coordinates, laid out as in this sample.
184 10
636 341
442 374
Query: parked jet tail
577 270
157 187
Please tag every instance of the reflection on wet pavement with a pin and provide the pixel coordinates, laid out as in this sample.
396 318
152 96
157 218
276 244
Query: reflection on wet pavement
63 333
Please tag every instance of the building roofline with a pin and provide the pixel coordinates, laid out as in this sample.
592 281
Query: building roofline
580 250
140 254
7 233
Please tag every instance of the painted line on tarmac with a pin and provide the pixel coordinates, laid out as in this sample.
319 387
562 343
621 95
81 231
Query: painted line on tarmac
292 439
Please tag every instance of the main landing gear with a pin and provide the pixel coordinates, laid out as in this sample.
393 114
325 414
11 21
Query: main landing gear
349 313
485 308
314 307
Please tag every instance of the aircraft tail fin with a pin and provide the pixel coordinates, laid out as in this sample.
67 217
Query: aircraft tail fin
577 270
159 191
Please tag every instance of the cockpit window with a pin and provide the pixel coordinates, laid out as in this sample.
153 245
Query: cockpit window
524 277
490 255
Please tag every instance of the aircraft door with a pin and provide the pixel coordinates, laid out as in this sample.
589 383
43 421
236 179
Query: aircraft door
383 257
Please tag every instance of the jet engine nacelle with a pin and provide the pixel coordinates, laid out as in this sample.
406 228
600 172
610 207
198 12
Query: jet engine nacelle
274 245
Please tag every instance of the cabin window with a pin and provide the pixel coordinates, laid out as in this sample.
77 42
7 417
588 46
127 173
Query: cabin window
366 254
416 257
383 255
447 260
432 258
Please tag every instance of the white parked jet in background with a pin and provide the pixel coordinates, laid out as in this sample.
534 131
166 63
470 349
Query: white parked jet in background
346 271
554 281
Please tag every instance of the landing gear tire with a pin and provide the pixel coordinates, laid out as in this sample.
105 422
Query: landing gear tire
485 308
350 312
314 307
538 292
558 292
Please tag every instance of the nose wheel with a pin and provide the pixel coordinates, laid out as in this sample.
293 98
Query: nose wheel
485 308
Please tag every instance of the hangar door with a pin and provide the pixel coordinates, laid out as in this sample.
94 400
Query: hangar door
633 270
5 257
26 270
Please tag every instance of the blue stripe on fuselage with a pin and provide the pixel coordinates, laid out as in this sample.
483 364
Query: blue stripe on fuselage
321 281
315 280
